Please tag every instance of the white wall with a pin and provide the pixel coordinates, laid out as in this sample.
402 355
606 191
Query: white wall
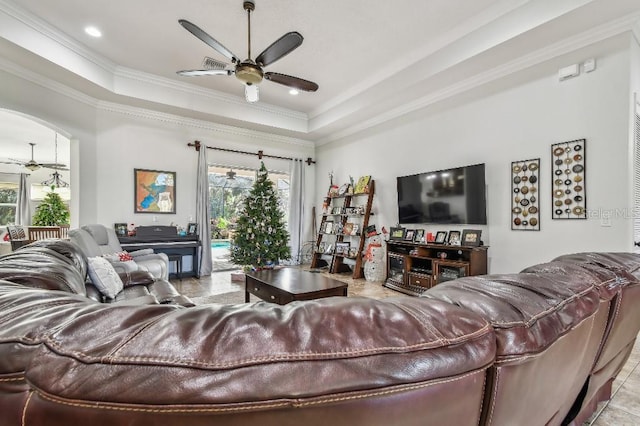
133 142
519 120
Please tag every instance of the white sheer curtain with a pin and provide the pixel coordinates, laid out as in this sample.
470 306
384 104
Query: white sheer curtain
296 209
23 215
203 215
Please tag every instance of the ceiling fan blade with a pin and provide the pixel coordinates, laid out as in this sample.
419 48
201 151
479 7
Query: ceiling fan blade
55 166
194 73
198 32
279 48
295 82
12 162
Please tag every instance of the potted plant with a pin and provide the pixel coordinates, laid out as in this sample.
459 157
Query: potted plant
52 211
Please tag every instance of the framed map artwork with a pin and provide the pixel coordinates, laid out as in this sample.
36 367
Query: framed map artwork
155 191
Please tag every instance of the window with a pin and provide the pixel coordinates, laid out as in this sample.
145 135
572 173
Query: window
226 196
8 202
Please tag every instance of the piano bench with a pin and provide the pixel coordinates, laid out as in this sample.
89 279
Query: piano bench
178 259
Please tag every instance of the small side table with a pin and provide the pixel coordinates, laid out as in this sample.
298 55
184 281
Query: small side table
178 259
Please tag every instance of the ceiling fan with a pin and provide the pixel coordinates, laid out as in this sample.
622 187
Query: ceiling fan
34 165
250 71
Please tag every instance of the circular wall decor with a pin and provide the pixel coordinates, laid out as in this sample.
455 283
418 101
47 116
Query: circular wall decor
525 212
569 172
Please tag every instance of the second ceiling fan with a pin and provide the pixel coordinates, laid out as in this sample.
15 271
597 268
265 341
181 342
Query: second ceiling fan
250 71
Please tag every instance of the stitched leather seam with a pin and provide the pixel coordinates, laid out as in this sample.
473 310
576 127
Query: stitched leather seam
113 353
537 316
13 379
24 410
299 403
274 358
426 325
484 385
495 393
542 350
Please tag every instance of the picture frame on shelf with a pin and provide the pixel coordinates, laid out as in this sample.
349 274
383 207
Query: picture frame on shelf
154 191
441 237
409 234
192 228
419 236
362 187
353 252
454 238
336 210
121 229
347 229
342 248
321 247
396 234
471 237
328 227
343 189
328 249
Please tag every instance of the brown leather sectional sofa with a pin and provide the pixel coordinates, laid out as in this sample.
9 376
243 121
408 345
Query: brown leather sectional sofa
535 348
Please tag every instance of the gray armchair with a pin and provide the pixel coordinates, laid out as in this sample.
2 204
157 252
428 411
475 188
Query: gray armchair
98 240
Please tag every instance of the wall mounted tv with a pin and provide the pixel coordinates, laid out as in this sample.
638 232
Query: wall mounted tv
455 196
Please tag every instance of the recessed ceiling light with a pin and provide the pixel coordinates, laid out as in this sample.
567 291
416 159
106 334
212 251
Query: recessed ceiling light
293 92
93 31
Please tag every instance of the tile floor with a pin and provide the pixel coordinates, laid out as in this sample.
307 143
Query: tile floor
622 410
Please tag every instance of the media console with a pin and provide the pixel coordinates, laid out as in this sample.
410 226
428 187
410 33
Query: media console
413 268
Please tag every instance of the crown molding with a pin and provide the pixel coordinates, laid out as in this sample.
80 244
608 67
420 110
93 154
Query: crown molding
628 23
224 129
191 89
46 82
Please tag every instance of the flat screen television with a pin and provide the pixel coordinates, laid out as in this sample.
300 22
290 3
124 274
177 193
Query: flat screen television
455 196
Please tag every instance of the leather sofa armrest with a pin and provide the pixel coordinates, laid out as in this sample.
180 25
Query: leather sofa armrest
141 252
138 277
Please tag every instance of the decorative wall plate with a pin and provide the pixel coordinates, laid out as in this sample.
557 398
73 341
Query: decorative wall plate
569 172
525 210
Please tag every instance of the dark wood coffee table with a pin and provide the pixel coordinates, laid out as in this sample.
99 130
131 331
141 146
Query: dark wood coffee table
285 285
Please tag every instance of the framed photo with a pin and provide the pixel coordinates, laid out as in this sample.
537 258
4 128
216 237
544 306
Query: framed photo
454 238
154 191
441 237
396 233
419 236
121 229
321 247
192 229
342 248
328 227
471 237
336 210
409 234
353 252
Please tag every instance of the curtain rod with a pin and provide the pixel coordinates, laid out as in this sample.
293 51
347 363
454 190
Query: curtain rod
260 154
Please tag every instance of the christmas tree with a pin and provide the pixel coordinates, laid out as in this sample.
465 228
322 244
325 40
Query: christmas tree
52 211
261 237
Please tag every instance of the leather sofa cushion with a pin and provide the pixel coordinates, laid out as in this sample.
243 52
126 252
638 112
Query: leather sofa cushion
528 311
301 350
607 281
41 267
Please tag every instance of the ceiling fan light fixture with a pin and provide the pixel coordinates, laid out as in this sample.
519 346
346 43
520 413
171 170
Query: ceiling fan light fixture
251 93
32 166
231 175
249 73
